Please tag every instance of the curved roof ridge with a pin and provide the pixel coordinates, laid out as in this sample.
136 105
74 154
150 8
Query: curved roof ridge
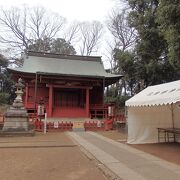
63 56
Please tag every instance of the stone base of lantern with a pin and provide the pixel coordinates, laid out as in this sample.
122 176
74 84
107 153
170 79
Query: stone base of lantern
16 123
16 118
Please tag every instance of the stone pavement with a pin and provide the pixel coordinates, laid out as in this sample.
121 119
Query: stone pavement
126 162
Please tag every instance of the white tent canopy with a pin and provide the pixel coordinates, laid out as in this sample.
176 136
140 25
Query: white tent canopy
154 107
157 95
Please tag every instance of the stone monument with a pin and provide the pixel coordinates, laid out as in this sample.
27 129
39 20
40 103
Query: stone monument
16 118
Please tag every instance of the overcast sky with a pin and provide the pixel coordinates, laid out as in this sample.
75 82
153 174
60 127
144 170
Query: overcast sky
78 10
82 10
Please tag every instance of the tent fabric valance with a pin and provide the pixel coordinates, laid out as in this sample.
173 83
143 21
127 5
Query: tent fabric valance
161 94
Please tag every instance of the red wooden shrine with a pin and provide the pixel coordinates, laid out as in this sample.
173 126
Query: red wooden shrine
66 85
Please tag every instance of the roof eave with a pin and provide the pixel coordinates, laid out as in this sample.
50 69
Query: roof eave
55 74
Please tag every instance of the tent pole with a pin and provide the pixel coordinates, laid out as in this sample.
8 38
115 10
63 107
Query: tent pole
172 114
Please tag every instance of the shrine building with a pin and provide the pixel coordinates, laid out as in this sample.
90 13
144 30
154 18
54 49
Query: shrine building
70 86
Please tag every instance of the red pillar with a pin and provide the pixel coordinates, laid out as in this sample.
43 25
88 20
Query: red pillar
87 102
26 96
50 101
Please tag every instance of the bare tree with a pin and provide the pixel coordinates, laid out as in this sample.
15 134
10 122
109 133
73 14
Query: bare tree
71 33
124 35
124 39
90 34
108 53
21 27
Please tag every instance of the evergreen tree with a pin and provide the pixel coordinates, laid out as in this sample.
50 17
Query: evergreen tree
168 13
59 46
6 83
151 48
126 65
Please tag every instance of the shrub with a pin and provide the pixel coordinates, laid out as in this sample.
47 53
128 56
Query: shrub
4 98
118 100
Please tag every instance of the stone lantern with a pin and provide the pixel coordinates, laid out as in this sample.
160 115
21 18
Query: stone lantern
16 118
19 92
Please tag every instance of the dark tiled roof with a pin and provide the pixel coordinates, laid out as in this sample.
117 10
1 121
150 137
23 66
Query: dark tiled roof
69 65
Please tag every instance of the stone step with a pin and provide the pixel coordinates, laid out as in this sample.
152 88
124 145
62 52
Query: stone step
20 133
69 119
78 126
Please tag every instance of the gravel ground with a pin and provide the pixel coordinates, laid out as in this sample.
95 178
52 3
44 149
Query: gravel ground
33 162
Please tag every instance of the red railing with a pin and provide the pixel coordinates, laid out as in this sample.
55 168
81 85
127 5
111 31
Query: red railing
93 126
1 118
98 125
53 126
1 121
116 121
98 111
120 118
119 121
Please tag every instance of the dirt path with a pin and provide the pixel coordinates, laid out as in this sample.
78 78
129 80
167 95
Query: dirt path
48 163
166 151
